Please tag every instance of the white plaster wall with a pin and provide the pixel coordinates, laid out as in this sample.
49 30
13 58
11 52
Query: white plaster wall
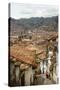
28 75
43 66
17 73
50 53
54 77
48 66
11 70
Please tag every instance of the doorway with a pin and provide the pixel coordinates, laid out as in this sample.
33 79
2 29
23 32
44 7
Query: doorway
22 79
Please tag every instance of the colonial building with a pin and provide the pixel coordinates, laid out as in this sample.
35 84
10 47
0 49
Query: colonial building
22 65
31 57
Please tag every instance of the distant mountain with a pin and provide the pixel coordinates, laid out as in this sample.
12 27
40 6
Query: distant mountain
18 26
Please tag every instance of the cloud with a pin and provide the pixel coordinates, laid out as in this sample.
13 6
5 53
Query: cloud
32 10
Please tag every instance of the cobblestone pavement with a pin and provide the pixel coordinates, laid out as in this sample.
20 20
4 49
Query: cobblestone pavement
48 82
42 80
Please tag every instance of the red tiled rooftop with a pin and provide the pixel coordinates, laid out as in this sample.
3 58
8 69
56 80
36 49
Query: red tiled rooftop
22 54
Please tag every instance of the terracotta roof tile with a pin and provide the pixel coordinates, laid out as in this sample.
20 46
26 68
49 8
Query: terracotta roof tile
22 54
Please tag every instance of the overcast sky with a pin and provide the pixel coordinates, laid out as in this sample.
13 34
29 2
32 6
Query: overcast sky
32 10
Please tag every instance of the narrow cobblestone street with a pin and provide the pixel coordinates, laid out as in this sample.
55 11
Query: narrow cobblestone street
42 80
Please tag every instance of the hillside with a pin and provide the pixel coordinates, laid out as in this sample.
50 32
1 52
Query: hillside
23 25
